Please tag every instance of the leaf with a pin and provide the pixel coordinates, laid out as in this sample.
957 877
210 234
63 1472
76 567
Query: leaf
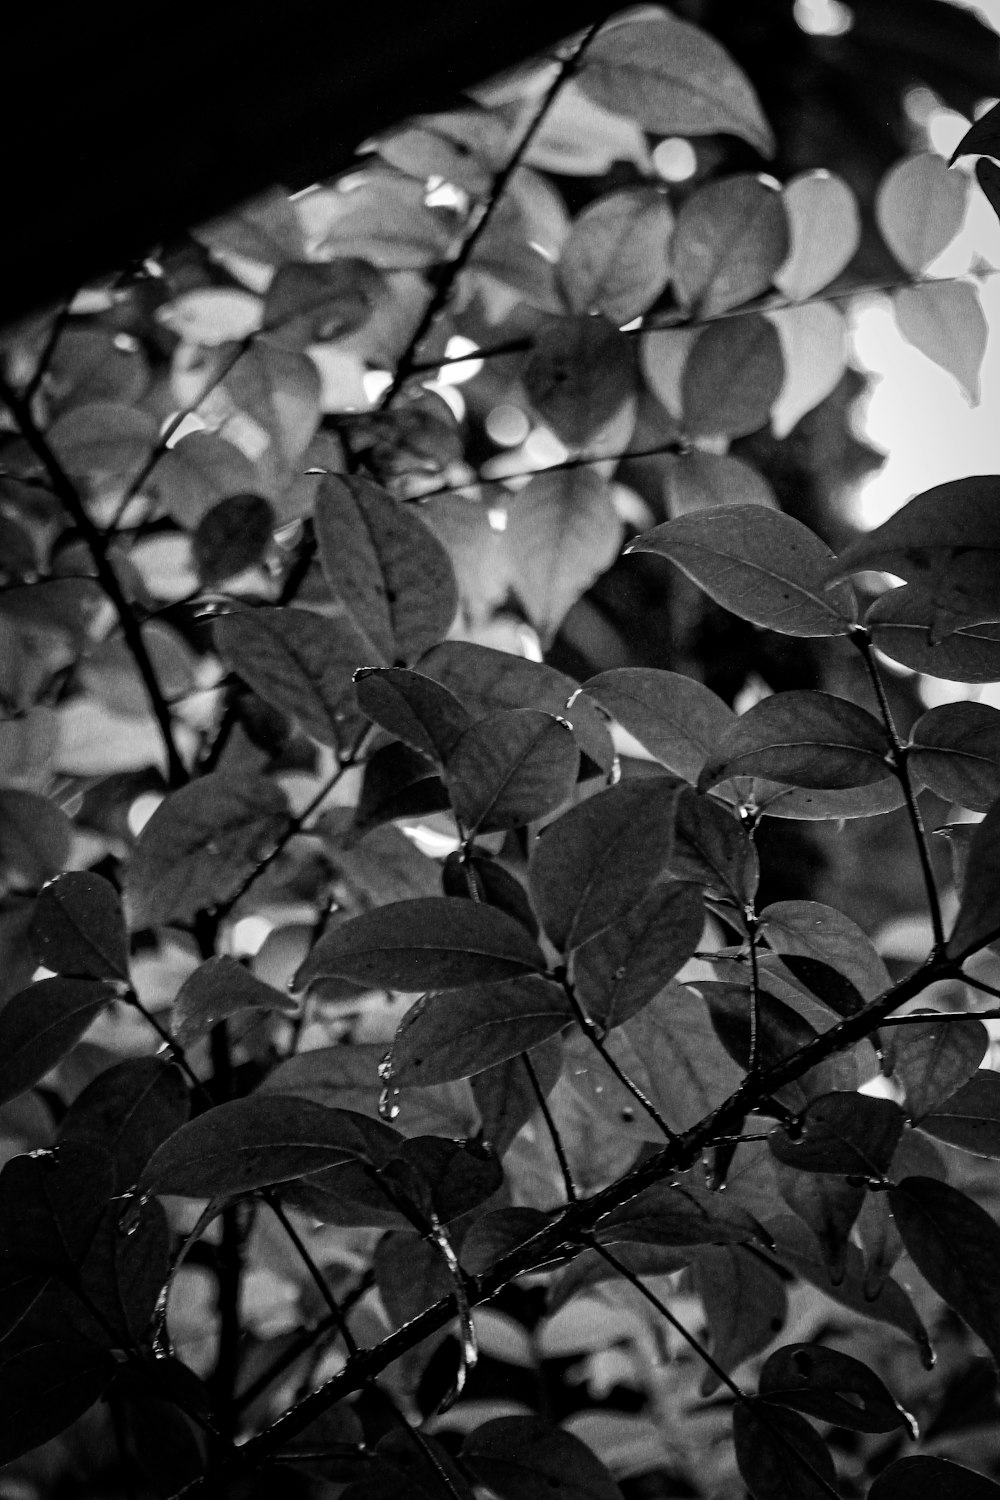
221 987
232 536
852 1134
821 932
476 876
279 390
674 1214
824 227
970 1116
385 566
78 928
44 1386
128 1110
813 342
982 137
900 623
833 1387
299 662
194 476
805 738
591 1269
591 865
779 1455
954 1244
562 533
41 1024
919 209
466 1031
410 1274
384 219
745 1303
931 1478
103 441
265 228
674 79
732 378
944 542
781 1032
126 1269
416 709
830 1206
35 839
616 260
712 848
253 1143
697 481
678 720
511 768
945 321
524 1458
397 783
955 750
762 565
626 966
988 177
432 943
578 375
828 984
505 1094
730 239
199 845
314 302
978 920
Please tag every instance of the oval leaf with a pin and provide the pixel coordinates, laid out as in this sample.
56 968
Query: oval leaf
578 375
932 1479
934 1060
79 929
845 1133
232 536
821 932
919 207
523 1458
955 750
416 709
460 1034
832 1386
731 238
41 1024
900 623
627 965
779 1455
813 342
616 258
679 721
805 738
824 227
969 1117
511 768
945 321
978 920
220 988
732 378
675 1214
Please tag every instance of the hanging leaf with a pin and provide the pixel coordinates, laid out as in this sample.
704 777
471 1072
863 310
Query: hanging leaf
252 1143
830 1206
199 846
410 1274
475 875
978 920
312 302
833 1387
932 1478
433 943
128 1110
385 566
675 1214
591 1269
762 565
945 543
126 1269
970 1116
562 533
511 768
919 208
35 839
626 966
616 260
674 79
821 932
805 738
945 321
505 1094
459 1034
813 342
398 783
900 623
954 1244
299 662
221 988
524 1458
731 238
416 709
934 1060
578 375
779 1455
745 1304
824 227
678 720
44 1386
193 477
595 862
78 928
712 848
41 1024
852 1134
955 750
232 536
698 481
732 378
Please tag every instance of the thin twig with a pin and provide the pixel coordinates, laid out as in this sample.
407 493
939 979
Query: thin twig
935 1017
173 1047
578 462
557 1142
45 358
593 1034
980 984
753 1060
319 1280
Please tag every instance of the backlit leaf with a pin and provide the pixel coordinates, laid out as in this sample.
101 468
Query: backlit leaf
41 1024
616 259
103 441
945 321
919 208
832 1386
199 845
697 481
78 928
624 967
311 301
730 239
779 1455
678 720
416 709
463 1032
524 1458
932 1478
813 342
978 920
900 622
805 738
955 750
824 231
732 378
578 375
970 1116
511 768
935 1059
762 565
191 478
845 1133
432 943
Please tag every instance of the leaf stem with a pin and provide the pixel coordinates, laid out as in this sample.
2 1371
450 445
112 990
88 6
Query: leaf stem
577 462
557 1142
753 1060
319 1280
593 1034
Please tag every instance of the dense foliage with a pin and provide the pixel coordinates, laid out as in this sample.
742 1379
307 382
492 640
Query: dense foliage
373 989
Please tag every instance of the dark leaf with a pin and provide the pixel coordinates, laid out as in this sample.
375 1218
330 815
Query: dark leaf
35 839
476 876
166 1444
196 473
822 933
955 750
596 861
128 1110
251 1143
732 378
44 1386
900 622
414 708
978 920
745 1302
591 1268
221 988
779 1455
731 237
466 1031
712 848
853 1134
675 1214
126 1268
505 1095
41 1024
79 929
934 1060
432 943
970 1117
445 1179
697 481
988 177
616 260
804 738
392 576
493 1235
833 1387
626 966
825 982
981 138
400 1469
233 535
398 783
199 846
760 564
300 663
781 1032
932 1479
523 1458
829 1205
314 302
511 768
674 79
578 375
410 1274
678 720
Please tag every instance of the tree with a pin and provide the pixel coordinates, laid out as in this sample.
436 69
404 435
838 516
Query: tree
287 777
